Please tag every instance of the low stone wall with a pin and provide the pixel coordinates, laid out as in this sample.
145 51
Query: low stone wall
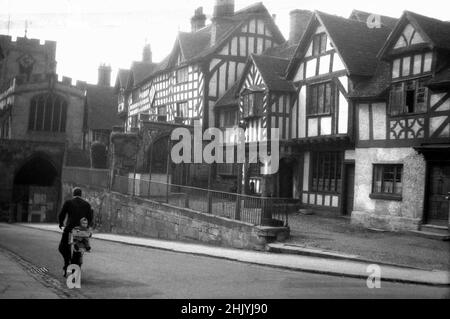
124 214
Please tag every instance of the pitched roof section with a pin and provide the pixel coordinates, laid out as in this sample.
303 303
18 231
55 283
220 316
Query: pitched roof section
363 16
102 107
198 45
121 79
272 70
139 71
356 44
375 86
437 32
272 67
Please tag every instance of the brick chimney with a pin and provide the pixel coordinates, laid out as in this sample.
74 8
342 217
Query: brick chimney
299 22
104 75
198 20
147 54
223 8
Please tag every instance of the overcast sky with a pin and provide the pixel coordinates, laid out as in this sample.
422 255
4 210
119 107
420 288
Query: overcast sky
90 32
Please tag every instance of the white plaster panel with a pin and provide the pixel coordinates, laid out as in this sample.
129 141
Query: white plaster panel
363 122
379 121
343 114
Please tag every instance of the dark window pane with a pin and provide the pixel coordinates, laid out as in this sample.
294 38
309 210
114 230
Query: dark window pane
62 125
323 43
327 108
40 114
321 99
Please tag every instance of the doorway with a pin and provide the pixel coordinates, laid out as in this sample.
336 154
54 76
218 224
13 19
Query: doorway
349 189
285 180
35 192
438 188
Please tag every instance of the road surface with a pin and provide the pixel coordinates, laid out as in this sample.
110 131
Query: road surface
115 270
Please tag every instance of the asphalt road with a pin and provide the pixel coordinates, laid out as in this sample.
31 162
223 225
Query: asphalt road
115 270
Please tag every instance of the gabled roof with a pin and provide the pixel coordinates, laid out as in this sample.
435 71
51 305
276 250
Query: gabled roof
356 44
102 107
272 70
121 79
363 16
139 71
206 41
434 31
230 98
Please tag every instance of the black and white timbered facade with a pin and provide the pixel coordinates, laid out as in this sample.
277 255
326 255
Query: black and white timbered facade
403 130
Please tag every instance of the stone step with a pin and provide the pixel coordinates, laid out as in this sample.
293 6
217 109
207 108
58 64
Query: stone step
431 235
443 230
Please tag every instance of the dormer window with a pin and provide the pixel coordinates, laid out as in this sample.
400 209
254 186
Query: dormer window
252 103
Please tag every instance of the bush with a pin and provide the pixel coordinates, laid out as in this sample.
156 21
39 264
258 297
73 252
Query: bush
99 155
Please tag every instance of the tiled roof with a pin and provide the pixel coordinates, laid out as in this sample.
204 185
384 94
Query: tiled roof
357 44
438 31
230 98
375 86
200 44
141 70
272 65
272 70
102 107
433 30
122 79
441 78
363 17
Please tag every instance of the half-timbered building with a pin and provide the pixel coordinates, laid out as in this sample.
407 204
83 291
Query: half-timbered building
403 130
201 67
334 55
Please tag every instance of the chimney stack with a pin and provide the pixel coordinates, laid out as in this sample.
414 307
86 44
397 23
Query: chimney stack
223 8
299 22
198 20
147 54
104 75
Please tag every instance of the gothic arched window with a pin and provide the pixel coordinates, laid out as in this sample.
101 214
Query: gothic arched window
48 113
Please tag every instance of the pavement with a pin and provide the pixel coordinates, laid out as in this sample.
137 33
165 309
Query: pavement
18 283
128 269
305 263
329 237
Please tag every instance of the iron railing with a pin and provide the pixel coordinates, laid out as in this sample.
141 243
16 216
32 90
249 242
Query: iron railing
246 208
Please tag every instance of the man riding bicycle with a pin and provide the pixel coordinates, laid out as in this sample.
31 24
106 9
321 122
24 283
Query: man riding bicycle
74 209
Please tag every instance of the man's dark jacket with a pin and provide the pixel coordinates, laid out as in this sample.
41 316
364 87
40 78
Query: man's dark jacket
75 209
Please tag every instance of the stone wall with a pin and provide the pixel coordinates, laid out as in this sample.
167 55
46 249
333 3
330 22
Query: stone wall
406 214
124 214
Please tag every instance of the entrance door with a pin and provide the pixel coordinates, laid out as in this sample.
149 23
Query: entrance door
349 189
286 173
438 189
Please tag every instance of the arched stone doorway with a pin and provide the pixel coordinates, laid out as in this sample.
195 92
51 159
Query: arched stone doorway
35 191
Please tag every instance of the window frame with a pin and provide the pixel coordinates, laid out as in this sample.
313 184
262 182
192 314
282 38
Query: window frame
382 194
51 110
160 115
316 88
319 41
317 162
411 58
249 109
403 92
